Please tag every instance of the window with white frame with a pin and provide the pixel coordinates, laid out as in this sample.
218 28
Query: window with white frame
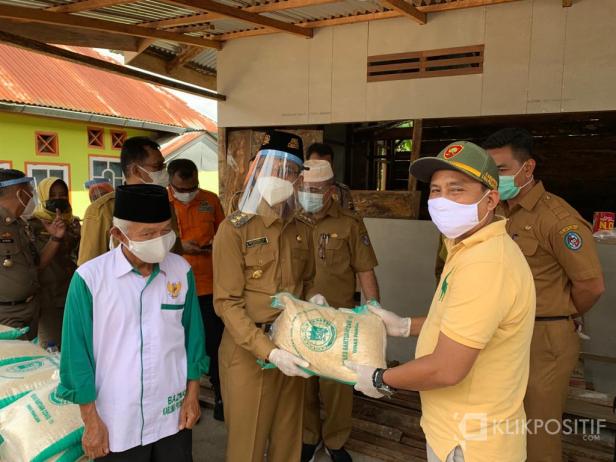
108 168
5 164
41 171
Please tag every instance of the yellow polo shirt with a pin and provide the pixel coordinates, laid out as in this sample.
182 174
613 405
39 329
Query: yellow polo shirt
485 300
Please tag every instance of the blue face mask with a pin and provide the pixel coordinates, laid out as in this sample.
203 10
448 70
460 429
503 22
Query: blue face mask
310 202
507 187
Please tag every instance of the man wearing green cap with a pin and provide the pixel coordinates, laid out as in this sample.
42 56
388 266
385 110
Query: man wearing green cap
472 355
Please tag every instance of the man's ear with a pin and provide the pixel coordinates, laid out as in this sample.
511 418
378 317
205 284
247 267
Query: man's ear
118 235
493 199
529 168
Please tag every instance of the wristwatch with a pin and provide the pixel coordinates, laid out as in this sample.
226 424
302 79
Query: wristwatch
382 387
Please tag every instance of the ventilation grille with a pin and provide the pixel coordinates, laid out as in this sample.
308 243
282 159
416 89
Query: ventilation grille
424 64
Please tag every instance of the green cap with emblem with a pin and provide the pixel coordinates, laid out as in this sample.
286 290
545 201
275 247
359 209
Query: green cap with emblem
461 156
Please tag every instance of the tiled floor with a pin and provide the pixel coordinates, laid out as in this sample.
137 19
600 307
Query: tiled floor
209 438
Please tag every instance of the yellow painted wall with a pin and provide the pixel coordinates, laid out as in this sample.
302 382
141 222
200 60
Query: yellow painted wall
17 146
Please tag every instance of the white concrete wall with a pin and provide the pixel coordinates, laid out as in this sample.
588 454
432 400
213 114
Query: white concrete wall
539 57
406 250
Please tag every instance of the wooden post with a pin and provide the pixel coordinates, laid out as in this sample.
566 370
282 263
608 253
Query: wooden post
415 150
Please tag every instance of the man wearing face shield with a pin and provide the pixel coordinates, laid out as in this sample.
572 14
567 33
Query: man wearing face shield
472 355
133 340
21 261
342 251
263 248
142 163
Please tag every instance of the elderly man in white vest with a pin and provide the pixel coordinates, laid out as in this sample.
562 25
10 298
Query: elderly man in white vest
133 339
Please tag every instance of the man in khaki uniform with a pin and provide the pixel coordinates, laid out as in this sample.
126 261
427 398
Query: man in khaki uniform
142 162
342 250
558 245
342 193
20 260
262 249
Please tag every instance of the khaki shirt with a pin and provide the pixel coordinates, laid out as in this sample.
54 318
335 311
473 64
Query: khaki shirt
255 257
18 259
342 248
56 277
98 221
343 196
558 245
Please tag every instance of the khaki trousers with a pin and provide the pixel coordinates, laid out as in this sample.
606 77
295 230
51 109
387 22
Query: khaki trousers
554 352
263 408
337 400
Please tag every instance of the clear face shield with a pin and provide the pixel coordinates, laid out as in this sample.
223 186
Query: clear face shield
25 193
271 186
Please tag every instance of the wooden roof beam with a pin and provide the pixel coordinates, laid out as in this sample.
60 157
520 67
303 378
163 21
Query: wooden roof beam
406 9
200 18
182 58
238 13
364 17
85 5
63 19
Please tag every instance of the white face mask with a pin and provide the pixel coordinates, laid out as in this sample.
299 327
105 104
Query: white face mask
453 219
29 206
185 197
160 177
274 190
154 250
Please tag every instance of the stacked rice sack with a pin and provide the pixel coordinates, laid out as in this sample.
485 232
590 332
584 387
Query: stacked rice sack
327 337
35 425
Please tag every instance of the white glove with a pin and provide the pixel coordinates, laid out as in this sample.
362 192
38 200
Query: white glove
288 363
364 379
318 299
394 324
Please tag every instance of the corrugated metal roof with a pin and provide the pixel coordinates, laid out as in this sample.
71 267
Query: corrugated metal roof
34 79
139 11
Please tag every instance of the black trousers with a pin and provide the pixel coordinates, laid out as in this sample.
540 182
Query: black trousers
176 448
214 328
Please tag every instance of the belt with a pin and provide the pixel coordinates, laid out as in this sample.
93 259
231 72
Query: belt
266 327
551 318
20 302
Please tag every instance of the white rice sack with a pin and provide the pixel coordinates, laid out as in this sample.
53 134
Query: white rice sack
18 378
39 426
327 337
10 333
15 350
74 454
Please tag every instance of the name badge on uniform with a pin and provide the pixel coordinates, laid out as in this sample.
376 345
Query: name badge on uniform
204 206
7 238
255 242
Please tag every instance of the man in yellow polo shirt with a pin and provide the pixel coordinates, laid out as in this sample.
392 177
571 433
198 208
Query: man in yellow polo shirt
472 357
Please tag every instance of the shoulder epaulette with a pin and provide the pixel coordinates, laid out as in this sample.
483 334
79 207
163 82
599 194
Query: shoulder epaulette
557 206
351 213
239 219
304 218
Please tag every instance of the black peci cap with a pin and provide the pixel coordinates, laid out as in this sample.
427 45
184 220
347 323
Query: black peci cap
142 203
283 141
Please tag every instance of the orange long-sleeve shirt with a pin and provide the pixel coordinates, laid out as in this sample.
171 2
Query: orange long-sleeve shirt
198 221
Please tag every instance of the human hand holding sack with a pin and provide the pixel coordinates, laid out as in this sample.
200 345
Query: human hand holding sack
288 363
364 383
395 325
326 337
318 299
